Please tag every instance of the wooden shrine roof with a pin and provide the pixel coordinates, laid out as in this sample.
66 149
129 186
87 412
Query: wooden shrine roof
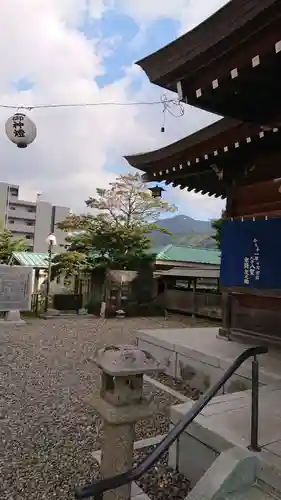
208 160
227 20
227 63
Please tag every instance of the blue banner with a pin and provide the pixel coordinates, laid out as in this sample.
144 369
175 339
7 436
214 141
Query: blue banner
251 253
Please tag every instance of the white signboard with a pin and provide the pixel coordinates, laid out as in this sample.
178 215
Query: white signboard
15 288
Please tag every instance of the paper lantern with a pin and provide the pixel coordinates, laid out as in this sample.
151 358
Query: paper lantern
20 130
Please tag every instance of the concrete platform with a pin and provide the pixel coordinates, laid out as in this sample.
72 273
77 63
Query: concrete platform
199 356
223 424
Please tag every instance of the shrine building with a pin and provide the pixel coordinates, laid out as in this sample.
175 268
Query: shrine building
230 65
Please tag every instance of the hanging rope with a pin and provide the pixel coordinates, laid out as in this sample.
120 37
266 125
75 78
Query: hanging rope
164 101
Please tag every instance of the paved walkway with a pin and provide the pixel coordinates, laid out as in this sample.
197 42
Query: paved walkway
204 344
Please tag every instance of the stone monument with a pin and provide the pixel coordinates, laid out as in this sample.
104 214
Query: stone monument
15 292
121 403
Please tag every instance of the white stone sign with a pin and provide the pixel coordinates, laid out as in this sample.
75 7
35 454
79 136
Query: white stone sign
15 288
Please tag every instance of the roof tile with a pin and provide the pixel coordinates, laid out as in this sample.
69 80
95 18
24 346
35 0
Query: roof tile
189 254
31 259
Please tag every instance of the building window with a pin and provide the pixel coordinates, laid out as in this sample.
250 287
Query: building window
12 208
13 192
28 237
11 221
31 210
30 223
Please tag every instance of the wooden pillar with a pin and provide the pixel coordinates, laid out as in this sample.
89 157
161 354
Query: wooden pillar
105 294
225 330
119 296
36 291
36 280
194 298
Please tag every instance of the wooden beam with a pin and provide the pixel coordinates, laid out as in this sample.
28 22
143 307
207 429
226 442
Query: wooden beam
229 65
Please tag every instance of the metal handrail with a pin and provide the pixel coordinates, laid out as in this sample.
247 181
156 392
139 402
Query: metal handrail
97 488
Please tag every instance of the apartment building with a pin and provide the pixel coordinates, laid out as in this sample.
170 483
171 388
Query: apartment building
32 220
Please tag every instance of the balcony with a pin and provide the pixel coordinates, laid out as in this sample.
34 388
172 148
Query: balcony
21 228
21 213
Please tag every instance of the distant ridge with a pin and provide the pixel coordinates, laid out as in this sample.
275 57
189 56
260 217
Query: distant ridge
185 231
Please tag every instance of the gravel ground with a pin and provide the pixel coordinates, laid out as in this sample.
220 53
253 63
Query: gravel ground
48 426
161 482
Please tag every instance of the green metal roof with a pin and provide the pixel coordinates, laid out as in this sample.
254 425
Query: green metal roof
189 254
31 259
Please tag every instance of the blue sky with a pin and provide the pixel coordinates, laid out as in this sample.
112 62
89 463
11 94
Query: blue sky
125 30
129 49
83 51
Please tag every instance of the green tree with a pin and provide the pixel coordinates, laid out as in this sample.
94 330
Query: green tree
116 234
217 226
9 244
68 264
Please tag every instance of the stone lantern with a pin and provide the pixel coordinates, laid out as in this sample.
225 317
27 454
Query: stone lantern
121 403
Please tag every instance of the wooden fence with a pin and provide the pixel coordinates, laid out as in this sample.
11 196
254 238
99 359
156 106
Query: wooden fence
199 303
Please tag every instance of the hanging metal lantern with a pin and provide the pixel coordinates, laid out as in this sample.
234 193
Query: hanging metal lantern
156 191
20 130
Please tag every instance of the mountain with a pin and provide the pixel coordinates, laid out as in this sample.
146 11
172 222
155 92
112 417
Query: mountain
185 231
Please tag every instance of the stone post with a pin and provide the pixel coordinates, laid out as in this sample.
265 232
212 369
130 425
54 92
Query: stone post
14 318
121 404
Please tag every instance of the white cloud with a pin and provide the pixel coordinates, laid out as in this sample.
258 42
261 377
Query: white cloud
189 13
151 10
73 11
197 205
197 11
40 41
96 8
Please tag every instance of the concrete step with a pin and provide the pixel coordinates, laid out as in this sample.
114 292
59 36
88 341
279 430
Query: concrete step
238 474
252 493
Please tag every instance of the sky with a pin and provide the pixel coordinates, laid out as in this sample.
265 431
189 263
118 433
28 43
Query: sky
83 51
